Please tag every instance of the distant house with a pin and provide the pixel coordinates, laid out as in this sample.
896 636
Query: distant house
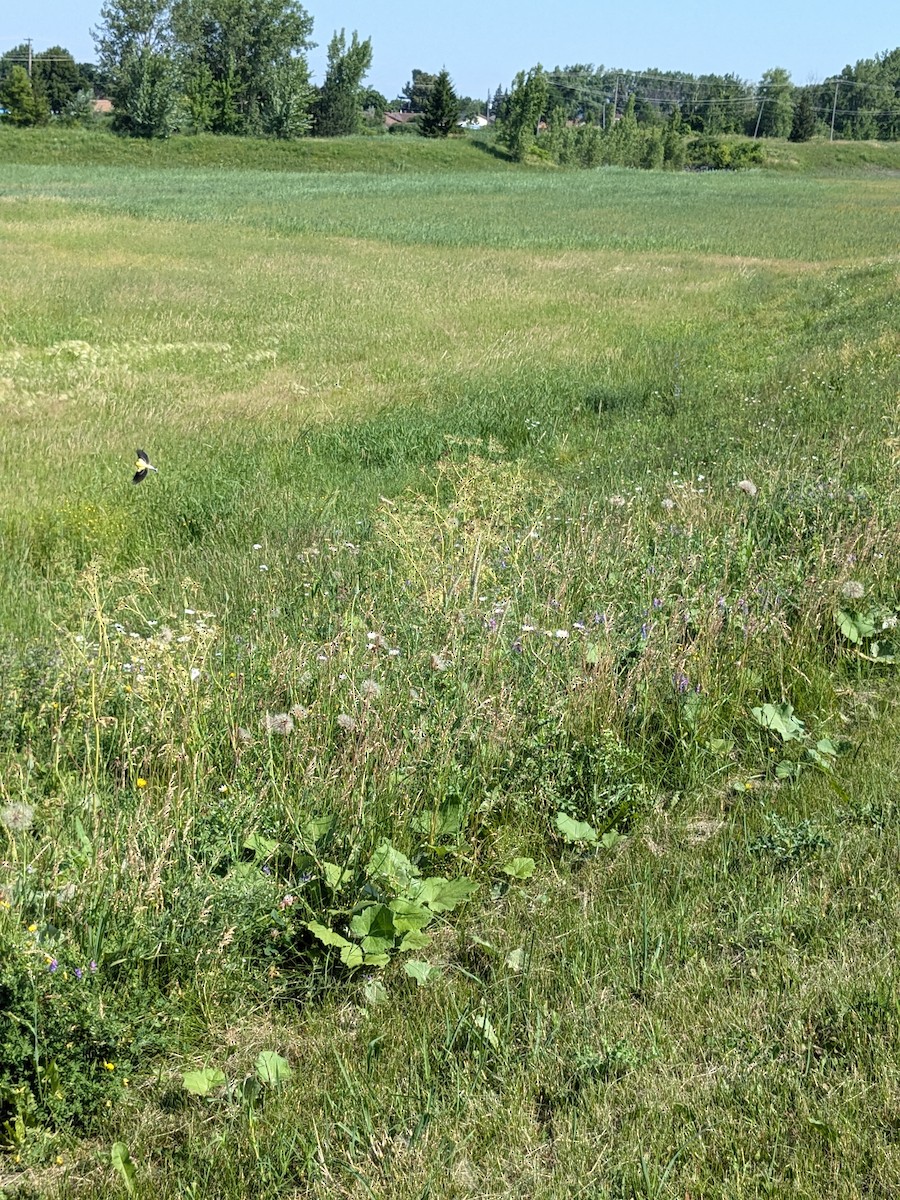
102 108
477 122
398 118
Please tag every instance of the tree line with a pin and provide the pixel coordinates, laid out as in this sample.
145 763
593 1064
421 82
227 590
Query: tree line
240 67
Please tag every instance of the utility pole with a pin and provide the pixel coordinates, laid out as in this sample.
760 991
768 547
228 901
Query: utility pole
758 118
28 40
834 109
616 100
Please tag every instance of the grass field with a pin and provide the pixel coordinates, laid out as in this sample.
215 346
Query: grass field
468 768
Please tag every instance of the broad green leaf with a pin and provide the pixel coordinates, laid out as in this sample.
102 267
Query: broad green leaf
575 831
787 769
854 626
336 876
352 956
721 746
123 1163
408 914
414 940
272 1069
447 820
781 720
326 935
515 960
421 972
375 925
201 1083
374 992
442 895
826 746
376 960
392 867
519 868
592 654
317 827
262 847
610 838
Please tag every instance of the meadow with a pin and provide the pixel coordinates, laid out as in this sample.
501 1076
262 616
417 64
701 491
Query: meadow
468 768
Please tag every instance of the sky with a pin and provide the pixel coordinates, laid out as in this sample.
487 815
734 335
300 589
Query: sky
483 43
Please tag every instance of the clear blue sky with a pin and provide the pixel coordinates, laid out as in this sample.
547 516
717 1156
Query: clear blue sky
483 43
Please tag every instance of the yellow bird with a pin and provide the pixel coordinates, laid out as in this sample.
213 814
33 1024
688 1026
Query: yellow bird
143 466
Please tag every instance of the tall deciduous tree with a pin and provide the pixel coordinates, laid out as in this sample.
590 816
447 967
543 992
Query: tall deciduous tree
523 112
243 63
58 76
442 108
338 109
418 90
134 47
775 96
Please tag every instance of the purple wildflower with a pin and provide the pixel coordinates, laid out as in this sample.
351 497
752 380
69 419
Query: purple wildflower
52 965
78 972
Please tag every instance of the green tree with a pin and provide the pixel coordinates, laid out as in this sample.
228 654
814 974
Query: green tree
242 61
524 109
23 105
134 48
144 97
442 109
418 90
288 100
804 122
338 111
775 97
58 76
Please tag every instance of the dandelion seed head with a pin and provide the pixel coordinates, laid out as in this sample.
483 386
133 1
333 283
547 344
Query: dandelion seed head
346 722
853 590
281 724
370 689
668 504
18 817
748 486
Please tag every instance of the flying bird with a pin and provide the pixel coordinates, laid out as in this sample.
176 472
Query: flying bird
143 466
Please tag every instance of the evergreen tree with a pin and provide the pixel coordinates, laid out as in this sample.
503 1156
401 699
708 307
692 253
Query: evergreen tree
418 90
441 109
338 111
804 123
24 106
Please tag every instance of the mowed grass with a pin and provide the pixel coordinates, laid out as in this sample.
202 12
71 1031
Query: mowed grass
447 576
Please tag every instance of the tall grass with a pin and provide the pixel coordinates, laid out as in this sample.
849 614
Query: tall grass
488 708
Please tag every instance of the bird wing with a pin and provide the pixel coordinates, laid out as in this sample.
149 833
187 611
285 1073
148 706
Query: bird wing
143 456
140 476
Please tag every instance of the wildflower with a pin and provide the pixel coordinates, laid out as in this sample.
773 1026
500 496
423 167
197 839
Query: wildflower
109 1066
32 928
394 652
280 723
346 722
195 674
668 504
286 902
748 486
369 689
617 501
140 782
681 681
299 713
853 590
257 545
52 965
92 967
561 634
18 817
374 640
78 972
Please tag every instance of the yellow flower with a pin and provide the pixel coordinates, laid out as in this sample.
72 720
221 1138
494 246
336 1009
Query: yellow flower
109 1066
141 783
32 928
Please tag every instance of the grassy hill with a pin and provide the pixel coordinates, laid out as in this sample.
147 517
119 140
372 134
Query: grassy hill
468 767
